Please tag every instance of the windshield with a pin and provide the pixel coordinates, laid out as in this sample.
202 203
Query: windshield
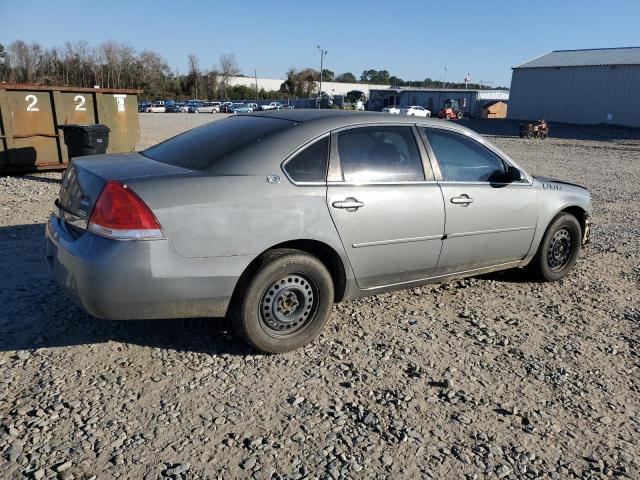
205 146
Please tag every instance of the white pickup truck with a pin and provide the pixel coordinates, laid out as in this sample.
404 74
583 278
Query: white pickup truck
271 106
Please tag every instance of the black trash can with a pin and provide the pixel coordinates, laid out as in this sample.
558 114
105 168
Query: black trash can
82 140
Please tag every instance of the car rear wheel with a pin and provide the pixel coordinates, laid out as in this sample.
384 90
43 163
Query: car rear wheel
285 302
558 250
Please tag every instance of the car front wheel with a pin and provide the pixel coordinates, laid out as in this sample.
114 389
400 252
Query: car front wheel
558 250
285 303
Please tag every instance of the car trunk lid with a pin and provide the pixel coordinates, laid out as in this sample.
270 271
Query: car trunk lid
85 178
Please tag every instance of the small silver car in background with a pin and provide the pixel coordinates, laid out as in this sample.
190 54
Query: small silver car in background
271 218
207 107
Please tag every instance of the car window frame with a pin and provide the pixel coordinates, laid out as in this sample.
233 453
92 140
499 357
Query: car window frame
335 174
526 180
300 149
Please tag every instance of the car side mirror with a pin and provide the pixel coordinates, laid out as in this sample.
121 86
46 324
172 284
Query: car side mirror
514 175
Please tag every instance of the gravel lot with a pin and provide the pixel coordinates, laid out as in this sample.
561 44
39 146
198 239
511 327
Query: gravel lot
491 377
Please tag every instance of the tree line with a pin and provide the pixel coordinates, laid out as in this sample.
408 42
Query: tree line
118 65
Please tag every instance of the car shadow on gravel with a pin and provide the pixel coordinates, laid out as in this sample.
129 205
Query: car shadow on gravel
38 178
513 275
35 313
212 336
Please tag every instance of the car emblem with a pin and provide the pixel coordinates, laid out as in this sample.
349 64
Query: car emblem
273 179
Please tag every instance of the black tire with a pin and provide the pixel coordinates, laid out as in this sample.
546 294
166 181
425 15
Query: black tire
543 135
529 134
558 249
287 278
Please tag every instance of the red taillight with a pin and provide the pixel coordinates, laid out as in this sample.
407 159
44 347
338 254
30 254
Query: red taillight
120 214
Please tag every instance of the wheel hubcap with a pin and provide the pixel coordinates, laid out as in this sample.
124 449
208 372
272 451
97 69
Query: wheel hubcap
560 249
288 304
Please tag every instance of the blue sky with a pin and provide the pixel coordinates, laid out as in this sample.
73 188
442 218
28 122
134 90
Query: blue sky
412 39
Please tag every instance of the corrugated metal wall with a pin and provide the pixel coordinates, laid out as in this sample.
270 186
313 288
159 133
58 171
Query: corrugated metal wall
587 95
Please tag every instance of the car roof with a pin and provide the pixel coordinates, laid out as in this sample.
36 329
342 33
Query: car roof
331 119
266 156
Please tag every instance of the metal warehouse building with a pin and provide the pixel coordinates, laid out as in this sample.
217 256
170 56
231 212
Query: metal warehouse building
579 86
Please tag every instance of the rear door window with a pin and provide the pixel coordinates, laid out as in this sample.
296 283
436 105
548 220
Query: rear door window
463 159
202 147
379 154
310 164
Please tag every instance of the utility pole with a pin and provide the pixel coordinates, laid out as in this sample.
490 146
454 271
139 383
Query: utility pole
322 54
255 76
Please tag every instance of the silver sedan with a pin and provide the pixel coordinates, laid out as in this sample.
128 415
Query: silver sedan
271 218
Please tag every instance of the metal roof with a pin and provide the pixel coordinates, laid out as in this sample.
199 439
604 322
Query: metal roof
585 58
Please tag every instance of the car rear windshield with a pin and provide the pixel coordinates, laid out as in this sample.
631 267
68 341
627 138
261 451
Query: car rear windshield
202 147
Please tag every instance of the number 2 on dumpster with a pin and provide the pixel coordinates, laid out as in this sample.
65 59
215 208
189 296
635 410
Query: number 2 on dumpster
31 107
80 105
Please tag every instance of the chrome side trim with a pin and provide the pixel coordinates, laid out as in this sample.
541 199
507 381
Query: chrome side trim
397 240
499 266
368 184
520 183
484 232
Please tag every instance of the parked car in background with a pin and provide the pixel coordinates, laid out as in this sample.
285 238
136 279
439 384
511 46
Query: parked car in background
395 109
253 106
193 106
142 106
287 107
207 107
240 108
416 111
271 106
226 108
172 107
270 218
156 107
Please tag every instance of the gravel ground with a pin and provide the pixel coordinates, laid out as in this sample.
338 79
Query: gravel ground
490 377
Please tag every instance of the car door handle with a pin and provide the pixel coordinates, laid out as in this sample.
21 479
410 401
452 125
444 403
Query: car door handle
349 204
463 199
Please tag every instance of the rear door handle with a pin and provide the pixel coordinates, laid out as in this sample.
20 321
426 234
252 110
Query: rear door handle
349 204
463 200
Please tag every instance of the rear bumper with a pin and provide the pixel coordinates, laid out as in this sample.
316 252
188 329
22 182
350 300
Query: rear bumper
119 280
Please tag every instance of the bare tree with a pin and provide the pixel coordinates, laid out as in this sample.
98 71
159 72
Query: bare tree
23 59
153 73
4 68
228 68
194 72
